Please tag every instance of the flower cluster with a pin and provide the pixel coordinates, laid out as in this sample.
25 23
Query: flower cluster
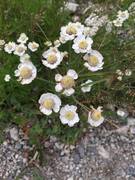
121 17
26 70
65 83
51 102
94 22
127 72
20 47
131 8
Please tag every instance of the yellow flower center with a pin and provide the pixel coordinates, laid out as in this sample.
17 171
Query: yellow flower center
52 59
48 103
67 82
93 61
71 30
34 46
20 49
69 115
83 44
96 115
25 73
9 46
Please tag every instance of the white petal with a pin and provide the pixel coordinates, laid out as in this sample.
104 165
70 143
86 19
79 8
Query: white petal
72 73
68 92
45 111
63 120
58 87
74 121
71 123
58 77
72 107
86 87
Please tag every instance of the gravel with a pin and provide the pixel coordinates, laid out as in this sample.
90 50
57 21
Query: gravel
101 155
13 154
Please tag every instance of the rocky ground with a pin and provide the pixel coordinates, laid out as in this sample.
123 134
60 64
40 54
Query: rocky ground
102 154
13 153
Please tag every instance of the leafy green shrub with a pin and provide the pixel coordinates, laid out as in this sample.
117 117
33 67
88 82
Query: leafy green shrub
41 21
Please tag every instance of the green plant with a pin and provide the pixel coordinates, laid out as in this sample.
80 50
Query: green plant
41 21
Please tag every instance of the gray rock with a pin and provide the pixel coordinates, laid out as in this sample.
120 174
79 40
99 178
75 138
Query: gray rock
81 151
71 178
131 170
14 133
103 152
76 158
131 121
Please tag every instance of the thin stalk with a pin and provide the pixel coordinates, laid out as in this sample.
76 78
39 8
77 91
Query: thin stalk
82 105
96 74
93 83
41 79
42 31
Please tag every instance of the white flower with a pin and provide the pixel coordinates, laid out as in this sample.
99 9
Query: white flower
119 78
70 31
87 31
91 20
7 77
118 22
23 38
71 6
86 87
52 58
82 44
10 47
95 117
95 22
123 15
26 72
119 72
131 8
25 57
128 72
68 115
33 46
66 83
76 18
20 50
48 43
94 61
57 43
48 103
2 42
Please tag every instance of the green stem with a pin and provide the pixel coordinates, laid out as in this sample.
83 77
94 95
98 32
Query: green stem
82 105
41 79
96 74
95 82
42 31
